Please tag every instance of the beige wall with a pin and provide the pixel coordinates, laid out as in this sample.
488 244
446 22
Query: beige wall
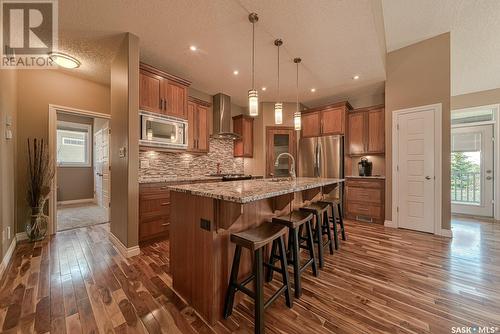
36 90
74 183
419 75
8 106
475 99
125 134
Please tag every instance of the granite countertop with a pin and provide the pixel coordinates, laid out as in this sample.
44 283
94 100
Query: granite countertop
381 177
252 190
179 179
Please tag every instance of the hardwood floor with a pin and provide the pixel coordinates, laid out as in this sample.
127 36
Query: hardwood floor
381 280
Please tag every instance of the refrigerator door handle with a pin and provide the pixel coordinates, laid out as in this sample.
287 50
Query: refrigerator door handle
318 159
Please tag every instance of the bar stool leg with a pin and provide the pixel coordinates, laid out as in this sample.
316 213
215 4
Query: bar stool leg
259 291
272 258
326 226
310 245
228 304
284 273
341 220
320 239
296 263
335 233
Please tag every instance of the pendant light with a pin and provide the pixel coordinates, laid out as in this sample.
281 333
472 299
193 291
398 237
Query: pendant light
297 119
253 95
278 106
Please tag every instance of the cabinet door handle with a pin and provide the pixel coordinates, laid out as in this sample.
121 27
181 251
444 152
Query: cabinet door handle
165 203
161 104
164 104
166 224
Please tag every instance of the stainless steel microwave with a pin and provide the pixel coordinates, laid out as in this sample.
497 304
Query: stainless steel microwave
163 131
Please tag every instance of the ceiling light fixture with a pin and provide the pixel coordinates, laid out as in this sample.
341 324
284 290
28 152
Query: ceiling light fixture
278 106
64 60
253 95
313 90
297 117
356 77
236 72
264 89
193 48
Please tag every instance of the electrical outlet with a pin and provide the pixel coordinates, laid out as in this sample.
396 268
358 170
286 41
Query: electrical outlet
205 224
3 235
8 232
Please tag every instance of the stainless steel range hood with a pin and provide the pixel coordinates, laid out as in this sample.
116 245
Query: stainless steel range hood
222 117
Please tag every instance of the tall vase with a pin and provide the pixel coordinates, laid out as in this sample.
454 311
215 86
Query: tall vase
36 227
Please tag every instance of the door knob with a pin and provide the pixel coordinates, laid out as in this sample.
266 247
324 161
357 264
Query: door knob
488 171
427 177
488 177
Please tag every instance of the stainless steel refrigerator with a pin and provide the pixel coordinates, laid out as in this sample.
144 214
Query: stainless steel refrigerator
321 157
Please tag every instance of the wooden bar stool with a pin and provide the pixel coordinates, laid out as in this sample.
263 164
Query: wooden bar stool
320 211
336 219
254 240
295 222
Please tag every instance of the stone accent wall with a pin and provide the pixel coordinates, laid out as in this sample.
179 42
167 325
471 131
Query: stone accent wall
184 164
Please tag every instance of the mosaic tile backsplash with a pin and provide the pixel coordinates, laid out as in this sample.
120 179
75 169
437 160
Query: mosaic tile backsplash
171 165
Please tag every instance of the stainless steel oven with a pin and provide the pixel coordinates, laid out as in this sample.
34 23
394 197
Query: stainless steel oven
163 131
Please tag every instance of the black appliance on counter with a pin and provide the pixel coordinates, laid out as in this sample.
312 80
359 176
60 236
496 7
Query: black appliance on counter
365 167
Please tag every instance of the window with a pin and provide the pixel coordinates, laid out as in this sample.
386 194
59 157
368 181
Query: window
73 144
472 115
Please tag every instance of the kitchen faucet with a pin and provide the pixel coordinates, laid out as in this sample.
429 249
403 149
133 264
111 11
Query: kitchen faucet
292 167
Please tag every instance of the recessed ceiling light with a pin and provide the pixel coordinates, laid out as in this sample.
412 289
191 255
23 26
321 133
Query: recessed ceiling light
193 48
264 89
356 77
313 90
236 72
64 60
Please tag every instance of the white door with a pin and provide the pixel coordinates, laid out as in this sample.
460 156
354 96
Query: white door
472 170
102 175
416 171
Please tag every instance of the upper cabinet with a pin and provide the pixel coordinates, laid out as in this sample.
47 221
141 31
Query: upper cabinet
162 93
366 131
243 125
198 132
324 121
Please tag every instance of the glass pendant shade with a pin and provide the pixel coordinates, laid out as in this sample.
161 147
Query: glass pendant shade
278 113
297 120
253 103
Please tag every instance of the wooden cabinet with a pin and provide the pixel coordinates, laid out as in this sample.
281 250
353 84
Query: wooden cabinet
280 139
198 132
366 131
365 199
162 93
325 121
154 209
243 125
311 124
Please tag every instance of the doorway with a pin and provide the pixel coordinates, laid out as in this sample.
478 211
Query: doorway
79 145
416 143
472 170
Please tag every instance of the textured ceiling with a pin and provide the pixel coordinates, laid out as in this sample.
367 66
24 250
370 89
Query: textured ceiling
475 36
336 39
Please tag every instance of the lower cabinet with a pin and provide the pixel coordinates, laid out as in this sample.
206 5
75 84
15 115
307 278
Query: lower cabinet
154 209
365 199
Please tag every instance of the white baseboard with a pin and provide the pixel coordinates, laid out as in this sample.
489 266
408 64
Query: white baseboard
389 223
76 201
124 251
21 236
8 256
445 233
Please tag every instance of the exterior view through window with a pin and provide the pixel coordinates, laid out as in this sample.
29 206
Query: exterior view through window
73 144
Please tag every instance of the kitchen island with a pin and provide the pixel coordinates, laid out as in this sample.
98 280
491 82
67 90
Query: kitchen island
204 215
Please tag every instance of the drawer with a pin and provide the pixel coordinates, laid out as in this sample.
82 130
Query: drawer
153 228
365 195
374 183
157 206
355 209
153 188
